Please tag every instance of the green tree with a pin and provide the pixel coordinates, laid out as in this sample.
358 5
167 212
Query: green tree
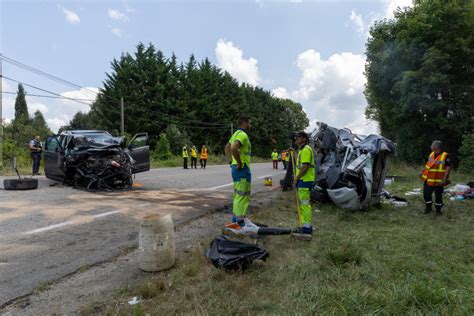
466 154
21 107
193 103
163 149
420 76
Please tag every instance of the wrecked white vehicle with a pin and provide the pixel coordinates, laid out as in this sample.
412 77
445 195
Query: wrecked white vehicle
350 168
95 160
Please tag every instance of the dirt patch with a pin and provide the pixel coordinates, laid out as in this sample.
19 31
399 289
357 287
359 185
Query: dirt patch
90 286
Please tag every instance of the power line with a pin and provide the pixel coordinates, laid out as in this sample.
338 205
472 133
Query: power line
44 90
44 74
46 96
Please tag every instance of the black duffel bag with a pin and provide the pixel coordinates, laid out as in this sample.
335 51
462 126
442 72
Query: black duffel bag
234 255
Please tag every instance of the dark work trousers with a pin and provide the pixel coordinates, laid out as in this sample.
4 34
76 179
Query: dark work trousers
285 164
36 162
275 164
203 163
427 195
194 162
185 162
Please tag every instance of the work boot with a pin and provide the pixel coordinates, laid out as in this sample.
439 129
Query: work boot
428 209
303 233
438 210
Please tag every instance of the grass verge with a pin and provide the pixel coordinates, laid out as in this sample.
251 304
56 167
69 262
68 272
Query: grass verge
385 261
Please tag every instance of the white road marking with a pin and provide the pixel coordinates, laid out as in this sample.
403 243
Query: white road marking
56 226
220 186
144 204
107 214
229 184
47 228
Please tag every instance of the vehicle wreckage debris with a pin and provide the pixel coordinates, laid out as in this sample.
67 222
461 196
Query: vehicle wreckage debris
351 169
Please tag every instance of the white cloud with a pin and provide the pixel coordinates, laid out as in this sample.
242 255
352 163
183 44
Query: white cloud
36 106
358 21
56 123
117 32
117 15
128 8
392 5
230 59
331 90
281 93
70 16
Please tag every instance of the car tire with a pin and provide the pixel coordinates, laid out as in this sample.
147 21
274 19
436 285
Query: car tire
20 184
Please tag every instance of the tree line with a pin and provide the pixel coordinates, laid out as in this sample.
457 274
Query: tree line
420 79
193 102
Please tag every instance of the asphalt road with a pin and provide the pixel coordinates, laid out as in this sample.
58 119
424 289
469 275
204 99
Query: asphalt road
51 232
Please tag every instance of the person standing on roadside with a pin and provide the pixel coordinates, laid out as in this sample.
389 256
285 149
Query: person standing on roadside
194 155
203 157
435 176
275 158
238 150
185 157
283 159
304 180
36 150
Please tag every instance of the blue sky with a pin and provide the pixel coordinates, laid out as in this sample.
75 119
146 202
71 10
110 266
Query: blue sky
309 51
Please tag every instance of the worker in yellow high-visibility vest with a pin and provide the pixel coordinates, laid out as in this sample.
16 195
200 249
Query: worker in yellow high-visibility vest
238 151
303 182
185 156
194 155
275 159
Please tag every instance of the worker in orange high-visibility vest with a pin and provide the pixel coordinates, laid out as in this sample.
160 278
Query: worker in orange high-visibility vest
203 157
435 176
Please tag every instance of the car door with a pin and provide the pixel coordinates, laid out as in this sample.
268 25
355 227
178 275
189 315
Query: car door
140 151
52 154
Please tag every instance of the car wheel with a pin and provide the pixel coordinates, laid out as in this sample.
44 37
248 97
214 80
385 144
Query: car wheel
20 184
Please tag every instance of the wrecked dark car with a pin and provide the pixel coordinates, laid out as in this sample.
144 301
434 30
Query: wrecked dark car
350 168
95 160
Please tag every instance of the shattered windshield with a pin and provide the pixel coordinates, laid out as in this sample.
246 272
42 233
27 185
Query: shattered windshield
96 140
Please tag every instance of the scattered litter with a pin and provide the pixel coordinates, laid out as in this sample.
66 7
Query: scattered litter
398 203
317 211
415 191
388 181
134 301
460 192
393 199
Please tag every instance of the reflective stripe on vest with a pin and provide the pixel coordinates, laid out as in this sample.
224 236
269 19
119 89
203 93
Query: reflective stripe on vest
435 169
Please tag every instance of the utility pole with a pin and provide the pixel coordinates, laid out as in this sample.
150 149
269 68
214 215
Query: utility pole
1 114
231 129
122 119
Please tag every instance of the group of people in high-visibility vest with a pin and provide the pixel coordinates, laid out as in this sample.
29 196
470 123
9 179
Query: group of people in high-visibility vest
238 151
283 156
194 155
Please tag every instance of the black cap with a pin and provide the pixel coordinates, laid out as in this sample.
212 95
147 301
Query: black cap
302 134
